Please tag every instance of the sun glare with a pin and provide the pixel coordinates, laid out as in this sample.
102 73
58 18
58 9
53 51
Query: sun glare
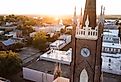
52 7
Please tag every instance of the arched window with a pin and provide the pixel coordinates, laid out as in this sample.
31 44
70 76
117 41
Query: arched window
93 33
84 32
88 33
84 76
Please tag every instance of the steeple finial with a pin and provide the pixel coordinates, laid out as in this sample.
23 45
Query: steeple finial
87 21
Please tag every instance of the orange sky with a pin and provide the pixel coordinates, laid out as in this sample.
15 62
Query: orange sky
54 7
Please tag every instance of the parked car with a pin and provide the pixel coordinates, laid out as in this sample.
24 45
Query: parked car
4 80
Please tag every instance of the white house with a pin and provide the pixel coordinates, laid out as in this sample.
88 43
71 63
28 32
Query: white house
49 28
62 41
111 52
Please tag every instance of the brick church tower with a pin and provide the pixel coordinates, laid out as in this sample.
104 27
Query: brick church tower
90 10
87 45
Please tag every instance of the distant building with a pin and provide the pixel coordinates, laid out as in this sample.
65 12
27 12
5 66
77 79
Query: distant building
62 41
69 28
63 57
7 44
44 67
111 51
50 28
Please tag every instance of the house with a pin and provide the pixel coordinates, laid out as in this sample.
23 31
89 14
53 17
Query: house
62 41
1 32
42 70
10 43
7 44
49 28
111 51
58 56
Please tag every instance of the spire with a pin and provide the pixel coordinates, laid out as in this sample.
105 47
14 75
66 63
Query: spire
101 13
90 10
103 10
75 11
81 18
75 17
81 12
101 17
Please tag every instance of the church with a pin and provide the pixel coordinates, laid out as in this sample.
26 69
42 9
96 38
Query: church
85 64
86 46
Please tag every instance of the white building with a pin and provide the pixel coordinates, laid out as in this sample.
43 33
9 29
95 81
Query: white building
111 52
50 28
62 41
1 32
63 57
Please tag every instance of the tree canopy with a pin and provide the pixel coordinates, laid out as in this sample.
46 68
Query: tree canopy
10 63
40 40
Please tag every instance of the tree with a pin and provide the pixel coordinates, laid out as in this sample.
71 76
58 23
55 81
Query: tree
18 46
63 30
10 63
40 40
1 20
54 37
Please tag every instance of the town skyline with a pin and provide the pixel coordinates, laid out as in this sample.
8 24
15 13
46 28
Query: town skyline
55 8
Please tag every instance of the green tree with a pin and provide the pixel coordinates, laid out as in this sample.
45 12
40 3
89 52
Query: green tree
18 46
40 40
26 29
10 63
54 37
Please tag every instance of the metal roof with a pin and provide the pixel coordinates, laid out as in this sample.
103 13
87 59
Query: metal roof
8 42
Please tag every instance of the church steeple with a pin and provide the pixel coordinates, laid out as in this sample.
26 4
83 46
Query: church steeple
75 17
101 17
90 10
80 20
86 47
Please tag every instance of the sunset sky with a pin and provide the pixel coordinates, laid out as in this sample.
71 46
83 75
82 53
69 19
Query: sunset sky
54 7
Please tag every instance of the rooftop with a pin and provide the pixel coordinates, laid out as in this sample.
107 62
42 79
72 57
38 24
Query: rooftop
111 32
58 56
8 42
57 43
47 66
